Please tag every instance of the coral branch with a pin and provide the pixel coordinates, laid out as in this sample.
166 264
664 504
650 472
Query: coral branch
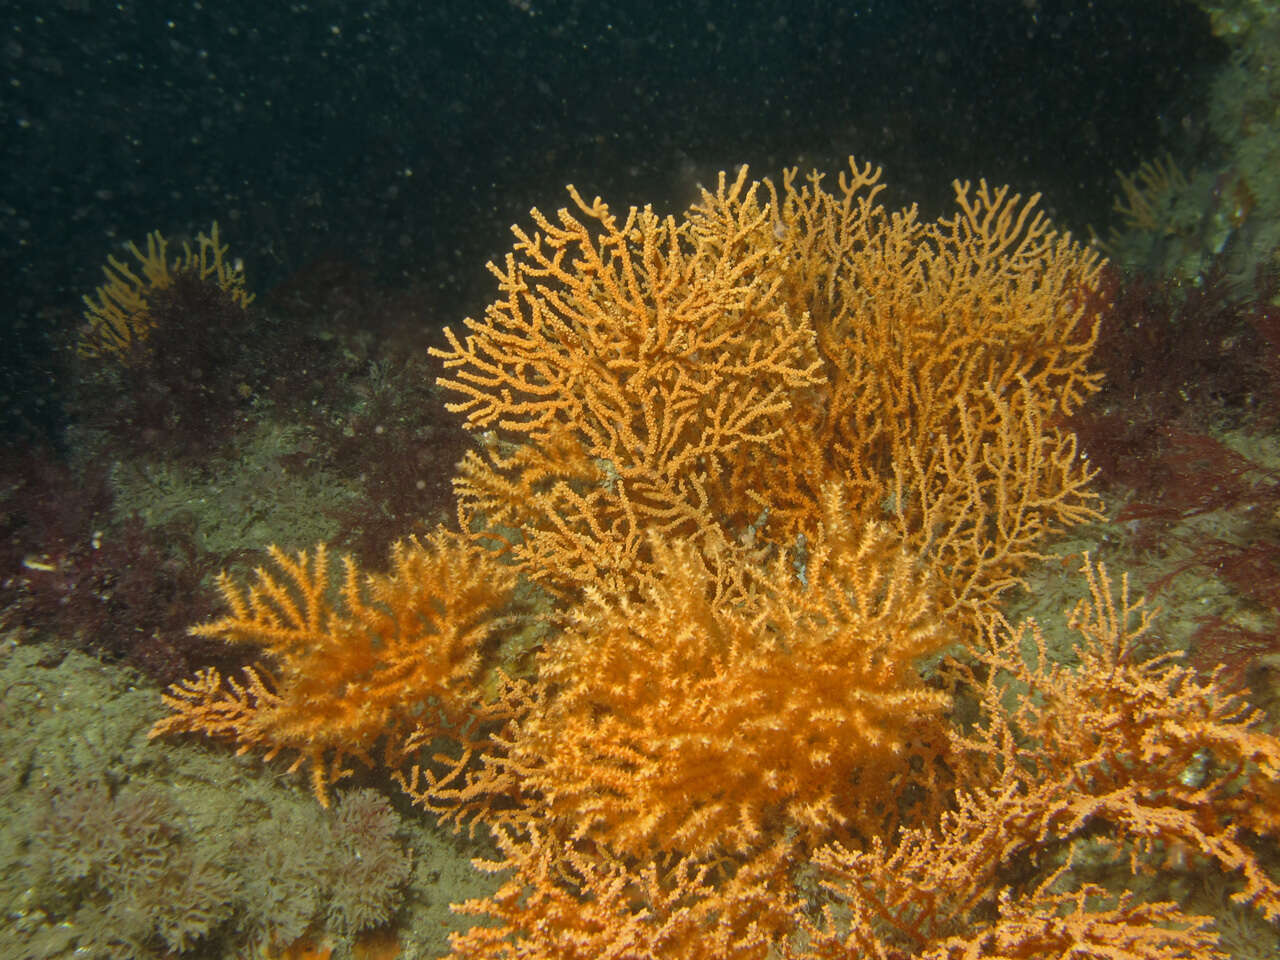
397 651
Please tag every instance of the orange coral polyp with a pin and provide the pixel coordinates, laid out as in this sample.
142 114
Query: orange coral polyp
679 724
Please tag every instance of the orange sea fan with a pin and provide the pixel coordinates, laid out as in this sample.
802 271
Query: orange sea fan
617 372
706 377
948 350
1162 756
396 651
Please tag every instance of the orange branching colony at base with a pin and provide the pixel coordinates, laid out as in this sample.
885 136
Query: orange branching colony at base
774 464
399 651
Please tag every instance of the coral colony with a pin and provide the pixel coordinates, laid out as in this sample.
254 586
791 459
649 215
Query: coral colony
716 653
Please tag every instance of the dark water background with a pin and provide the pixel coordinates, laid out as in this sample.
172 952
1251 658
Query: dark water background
404 136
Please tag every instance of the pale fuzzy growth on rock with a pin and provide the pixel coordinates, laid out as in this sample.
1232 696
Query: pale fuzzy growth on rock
369 864
117 876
